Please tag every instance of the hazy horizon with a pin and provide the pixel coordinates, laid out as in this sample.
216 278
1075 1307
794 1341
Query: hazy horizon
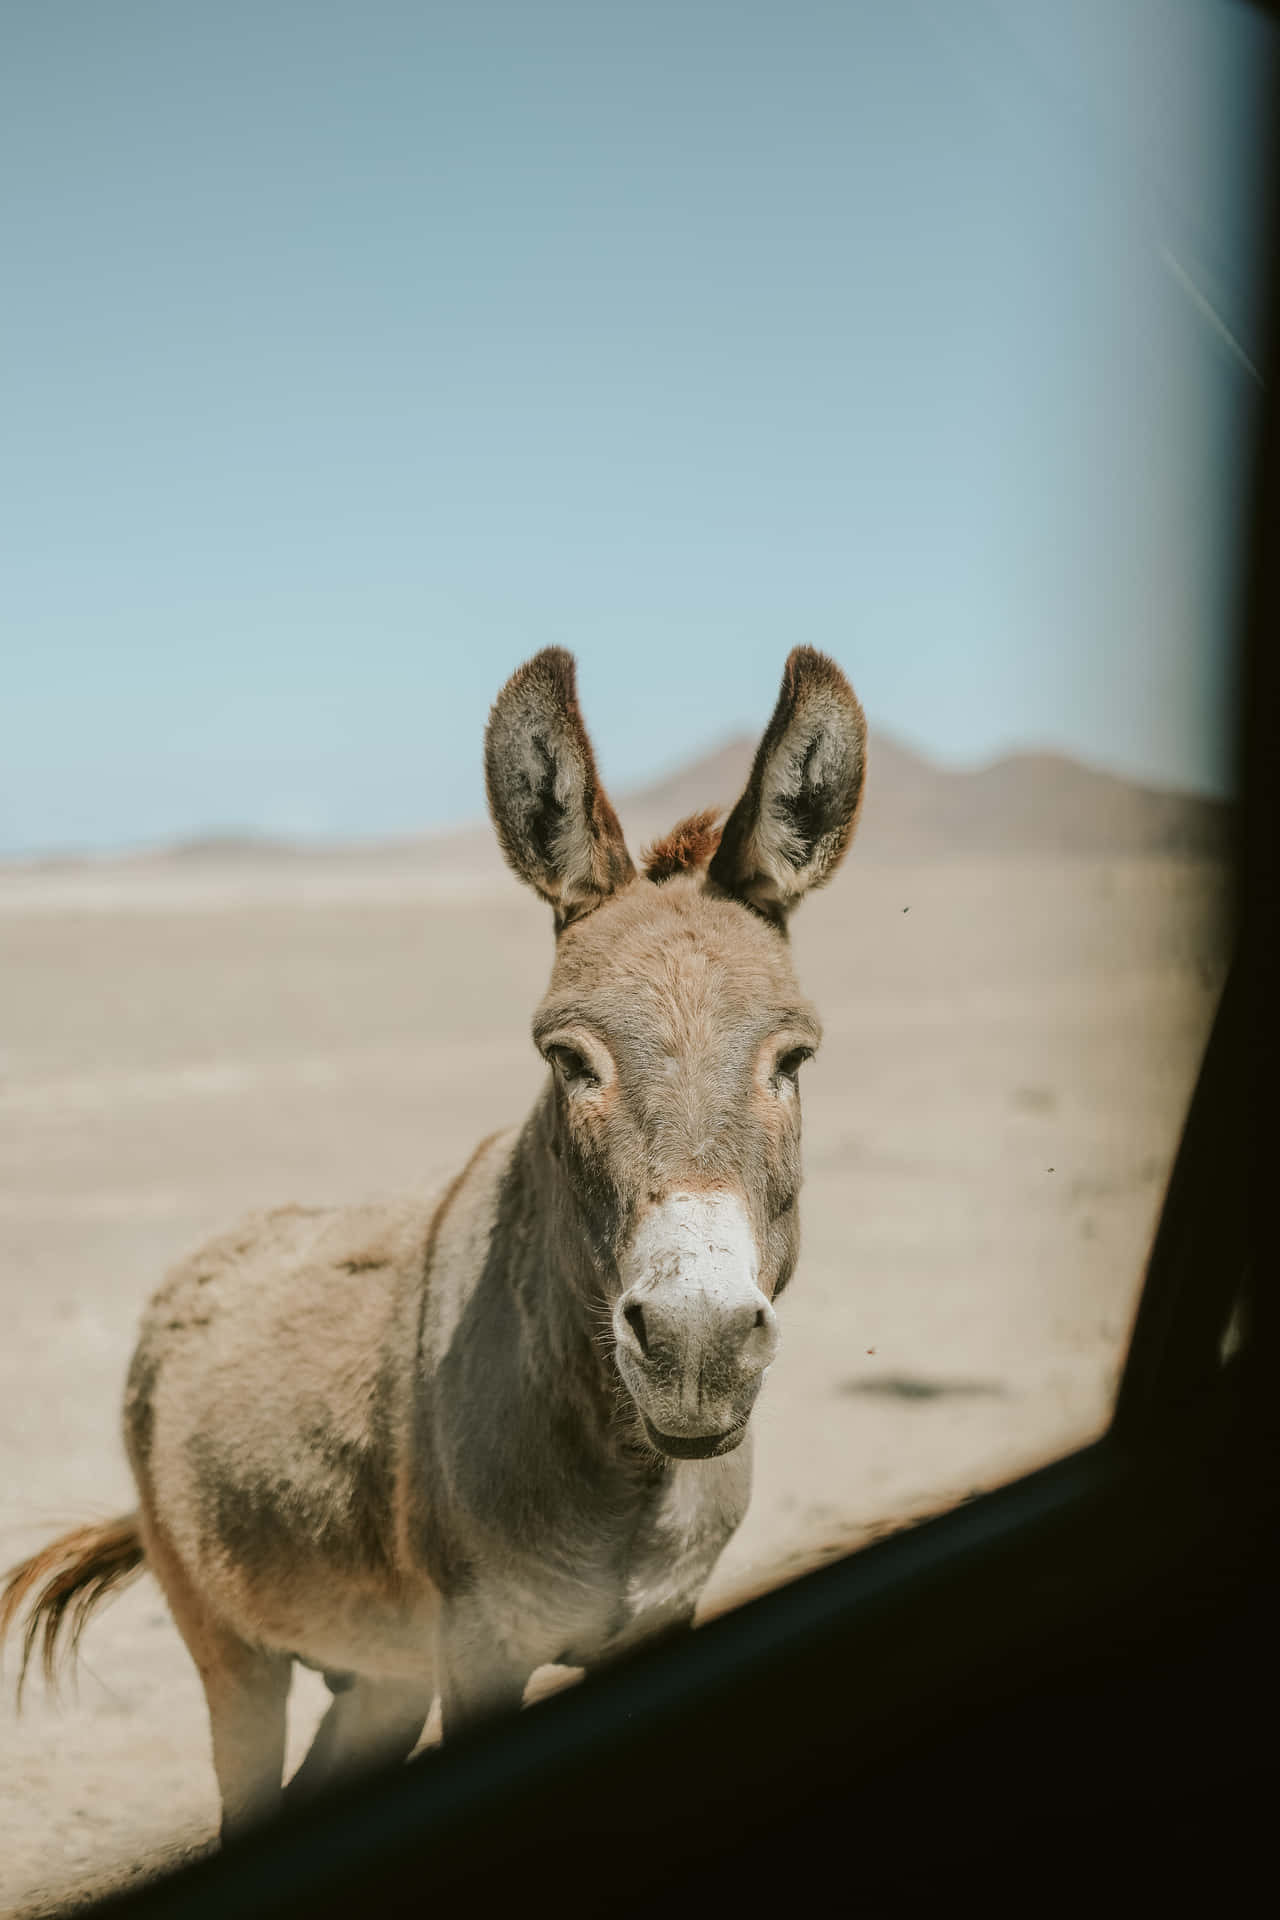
359 353
247 833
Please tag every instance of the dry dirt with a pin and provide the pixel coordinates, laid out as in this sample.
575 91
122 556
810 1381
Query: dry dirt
1010 1048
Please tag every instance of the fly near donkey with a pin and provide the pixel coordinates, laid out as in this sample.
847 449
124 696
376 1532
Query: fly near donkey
430 1445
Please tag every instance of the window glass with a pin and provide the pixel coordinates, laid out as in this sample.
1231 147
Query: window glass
361 353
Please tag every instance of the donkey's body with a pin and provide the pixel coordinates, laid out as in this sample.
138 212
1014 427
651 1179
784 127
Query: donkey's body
332 1463
432 1444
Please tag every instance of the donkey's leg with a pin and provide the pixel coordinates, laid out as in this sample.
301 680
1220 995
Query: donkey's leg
369 1723
479 1675
246 1689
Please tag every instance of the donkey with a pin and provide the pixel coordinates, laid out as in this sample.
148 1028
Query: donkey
429 1445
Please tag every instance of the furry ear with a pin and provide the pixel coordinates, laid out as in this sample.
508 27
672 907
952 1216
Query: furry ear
793 824
553 818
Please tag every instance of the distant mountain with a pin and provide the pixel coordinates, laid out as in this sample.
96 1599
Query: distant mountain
714 779
1047 802
1021 803
233 845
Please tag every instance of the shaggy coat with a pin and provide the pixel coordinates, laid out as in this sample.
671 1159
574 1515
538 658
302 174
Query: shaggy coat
429 1445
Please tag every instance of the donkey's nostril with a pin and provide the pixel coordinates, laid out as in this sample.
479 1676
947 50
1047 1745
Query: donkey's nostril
760 1318
634 1317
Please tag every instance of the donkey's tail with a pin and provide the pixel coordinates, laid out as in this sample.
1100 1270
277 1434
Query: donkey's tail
63 1583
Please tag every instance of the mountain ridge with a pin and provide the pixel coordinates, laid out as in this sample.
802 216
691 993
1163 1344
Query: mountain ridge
1029 800
1032 800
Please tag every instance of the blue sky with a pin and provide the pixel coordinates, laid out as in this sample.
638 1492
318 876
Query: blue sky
355 351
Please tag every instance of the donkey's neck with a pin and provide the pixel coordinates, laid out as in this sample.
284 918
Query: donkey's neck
553 1273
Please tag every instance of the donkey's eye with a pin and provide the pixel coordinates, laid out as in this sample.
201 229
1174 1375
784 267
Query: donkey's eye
572 1067
787 1070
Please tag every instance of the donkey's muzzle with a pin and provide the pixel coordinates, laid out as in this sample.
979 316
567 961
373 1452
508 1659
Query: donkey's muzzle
693 1332
664 1331
696 1446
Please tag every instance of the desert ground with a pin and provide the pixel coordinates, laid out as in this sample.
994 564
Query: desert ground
1011 1041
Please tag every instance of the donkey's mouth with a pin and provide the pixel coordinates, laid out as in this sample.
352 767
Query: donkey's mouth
694 1446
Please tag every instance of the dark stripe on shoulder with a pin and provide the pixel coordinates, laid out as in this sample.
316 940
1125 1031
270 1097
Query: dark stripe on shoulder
447 1199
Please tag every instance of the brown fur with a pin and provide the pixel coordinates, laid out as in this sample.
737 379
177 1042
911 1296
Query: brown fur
689 846
432 1443
793 824
554 820
63 1584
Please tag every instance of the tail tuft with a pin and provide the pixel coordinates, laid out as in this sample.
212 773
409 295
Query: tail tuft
63 1584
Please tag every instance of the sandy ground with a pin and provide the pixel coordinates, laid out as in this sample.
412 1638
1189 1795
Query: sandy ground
1010 1049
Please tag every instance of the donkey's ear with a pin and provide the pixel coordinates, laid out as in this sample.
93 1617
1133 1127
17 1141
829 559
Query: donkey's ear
552 816
792 826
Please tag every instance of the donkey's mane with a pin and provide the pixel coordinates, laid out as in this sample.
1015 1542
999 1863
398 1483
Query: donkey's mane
689 845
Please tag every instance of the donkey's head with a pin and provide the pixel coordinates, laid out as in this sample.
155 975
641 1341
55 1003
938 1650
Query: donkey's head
675 1031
